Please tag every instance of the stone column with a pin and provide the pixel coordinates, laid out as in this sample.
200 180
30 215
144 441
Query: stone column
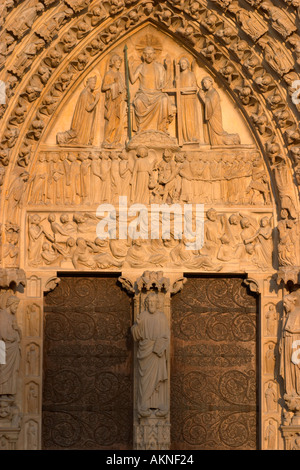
151 331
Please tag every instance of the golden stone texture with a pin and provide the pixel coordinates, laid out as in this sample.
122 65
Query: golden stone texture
166 102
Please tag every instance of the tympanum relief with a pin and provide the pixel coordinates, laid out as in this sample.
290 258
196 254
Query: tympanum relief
148 123
68 240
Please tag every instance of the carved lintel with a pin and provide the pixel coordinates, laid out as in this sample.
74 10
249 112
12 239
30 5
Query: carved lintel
51 284
10 276
290 274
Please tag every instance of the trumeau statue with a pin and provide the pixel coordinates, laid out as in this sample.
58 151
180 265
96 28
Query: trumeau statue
151 331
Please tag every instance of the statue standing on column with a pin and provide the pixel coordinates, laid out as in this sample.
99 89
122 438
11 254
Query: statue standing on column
113 86
151 331
290 347
11 335
213 124
152 107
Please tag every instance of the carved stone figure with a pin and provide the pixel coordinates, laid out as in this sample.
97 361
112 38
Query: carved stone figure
263 244
280 20
287 230
284 185
151 331
11 246
252 25
11 335
271 397
113 86
275 55
16 195
270 436
141 177
36 236
32 435
189 101
23 23
37 192
152 107
32 360
215 134
167 172
52 26
271 321
289 357
32 399
82 126
270 359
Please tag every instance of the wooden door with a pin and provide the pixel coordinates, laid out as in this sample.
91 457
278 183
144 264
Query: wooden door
214 385
87 385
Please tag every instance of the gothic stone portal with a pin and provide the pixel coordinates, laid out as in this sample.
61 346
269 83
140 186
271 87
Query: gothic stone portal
88 397
214 366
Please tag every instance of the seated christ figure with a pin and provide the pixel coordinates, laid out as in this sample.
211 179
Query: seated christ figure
152 107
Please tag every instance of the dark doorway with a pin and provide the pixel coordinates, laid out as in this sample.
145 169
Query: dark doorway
87 384
214 381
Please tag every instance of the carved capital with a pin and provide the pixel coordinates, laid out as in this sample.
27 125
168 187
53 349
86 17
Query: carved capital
11 276
153 280
289 274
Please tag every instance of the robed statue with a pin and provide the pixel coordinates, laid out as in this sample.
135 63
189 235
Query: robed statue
153 109
214 132
113 86
10 334
83 122
151 331
290 347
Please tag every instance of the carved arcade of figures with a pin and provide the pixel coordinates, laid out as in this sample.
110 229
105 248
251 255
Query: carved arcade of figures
211 177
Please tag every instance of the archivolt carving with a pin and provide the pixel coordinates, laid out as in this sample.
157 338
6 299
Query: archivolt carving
49 49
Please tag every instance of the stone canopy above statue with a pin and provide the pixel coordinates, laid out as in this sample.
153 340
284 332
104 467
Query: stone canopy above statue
149 91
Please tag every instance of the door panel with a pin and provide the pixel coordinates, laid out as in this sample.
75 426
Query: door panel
87 387
214 366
